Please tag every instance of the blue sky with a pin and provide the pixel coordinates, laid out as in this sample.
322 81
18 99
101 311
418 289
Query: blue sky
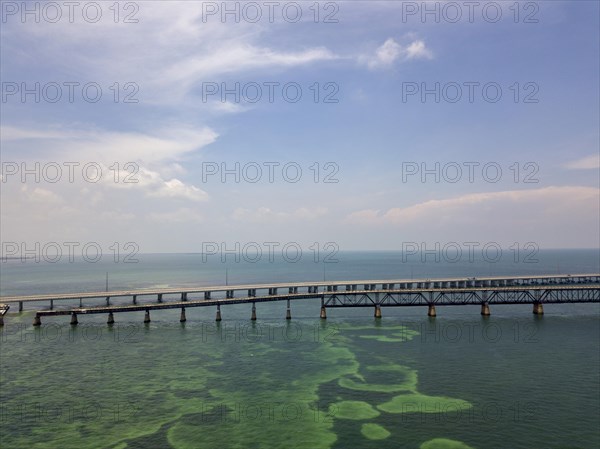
371 56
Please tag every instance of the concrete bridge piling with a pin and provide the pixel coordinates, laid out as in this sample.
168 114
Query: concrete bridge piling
485 309
323 310
431 310
377 311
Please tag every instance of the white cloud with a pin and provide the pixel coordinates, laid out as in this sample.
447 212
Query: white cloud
417 49
169 52
154 184
135 154
12 133
266 215
365 216
551 217
586 163
548 200
240 57
40 195
113 216
182 215
227 107
79 143
386 54
177 189
391 51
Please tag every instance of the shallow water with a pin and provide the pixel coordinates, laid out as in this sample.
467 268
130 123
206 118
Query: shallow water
405 381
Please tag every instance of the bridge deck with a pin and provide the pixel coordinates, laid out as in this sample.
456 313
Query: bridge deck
403 297
484 281
536 290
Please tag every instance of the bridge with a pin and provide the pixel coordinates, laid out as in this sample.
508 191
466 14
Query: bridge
485 291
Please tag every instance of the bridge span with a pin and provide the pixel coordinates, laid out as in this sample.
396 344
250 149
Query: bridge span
485 291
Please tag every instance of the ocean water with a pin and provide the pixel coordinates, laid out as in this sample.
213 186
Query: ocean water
511 380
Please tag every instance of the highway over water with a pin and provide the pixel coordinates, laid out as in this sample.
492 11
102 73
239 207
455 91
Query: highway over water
485 291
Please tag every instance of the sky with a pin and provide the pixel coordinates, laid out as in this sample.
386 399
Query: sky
363 125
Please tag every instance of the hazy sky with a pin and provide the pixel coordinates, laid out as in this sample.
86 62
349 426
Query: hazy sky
365 94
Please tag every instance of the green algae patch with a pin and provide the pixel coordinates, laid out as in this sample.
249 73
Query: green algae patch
407 334
420 403
443 443
357 410
362 327
379 388
256 403
396 337
384 338
374 431
407 376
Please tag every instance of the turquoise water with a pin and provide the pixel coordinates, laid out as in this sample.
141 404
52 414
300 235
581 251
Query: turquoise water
511 380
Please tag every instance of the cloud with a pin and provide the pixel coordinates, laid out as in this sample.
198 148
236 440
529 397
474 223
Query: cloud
364 216
154 185
167 53
547 200
43 196
591 162
266 215
551 217
134 153
417 49
182 215
113 216
391 51
12 133
81 143
177 189
240 58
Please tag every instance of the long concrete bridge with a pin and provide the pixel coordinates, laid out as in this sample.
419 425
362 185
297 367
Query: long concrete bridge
536 290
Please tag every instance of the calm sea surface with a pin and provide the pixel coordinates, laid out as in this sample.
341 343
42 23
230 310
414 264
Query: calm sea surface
458 381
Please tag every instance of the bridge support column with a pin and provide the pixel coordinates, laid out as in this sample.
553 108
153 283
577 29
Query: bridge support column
323 310
74 321
20 306
147 316
182 318
218 313
538 308
431 310
108 300
485 309
37 320
323 313
135 299
377 311
159 299
1 320
288 312
51 304
111 319
253 317
80 302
